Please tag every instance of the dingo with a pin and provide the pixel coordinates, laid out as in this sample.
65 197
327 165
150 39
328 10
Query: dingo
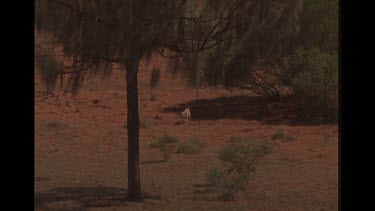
186 114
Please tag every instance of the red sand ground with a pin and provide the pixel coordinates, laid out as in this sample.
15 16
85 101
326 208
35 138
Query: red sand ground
81 142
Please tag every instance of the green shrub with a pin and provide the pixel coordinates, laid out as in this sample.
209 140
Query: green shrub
234 139
187 148
278 135
215 176
197 141
281 135
166 145
193 146
146 123
290 138
313 76
228 184
239 162
243 156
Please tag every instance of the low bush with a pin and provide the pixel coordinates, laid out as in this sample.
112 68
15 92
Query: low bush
193 146
166 145
282 135
239 161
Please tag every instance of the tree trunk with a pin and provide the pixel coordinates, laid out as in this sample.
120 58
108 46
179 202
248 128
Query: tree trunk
134 182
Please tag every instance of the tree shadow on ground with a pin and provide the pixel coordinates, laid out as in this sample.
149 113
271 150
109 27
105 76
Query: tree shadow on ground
80 198
264 109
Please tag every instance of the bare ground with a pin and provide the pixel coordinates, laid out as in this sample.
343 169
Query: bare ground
81 143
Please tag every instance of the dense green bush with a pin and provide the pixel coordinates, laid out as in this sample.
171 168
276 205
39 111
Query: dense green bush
313 76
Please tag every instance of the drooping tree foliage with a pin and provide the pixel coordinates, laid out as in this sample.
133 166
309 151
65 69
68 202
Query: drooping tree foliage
258 59
263 36
89 36
319 23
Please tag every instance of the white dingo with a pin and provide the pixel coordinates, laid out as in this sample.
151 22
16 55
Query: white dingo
186 114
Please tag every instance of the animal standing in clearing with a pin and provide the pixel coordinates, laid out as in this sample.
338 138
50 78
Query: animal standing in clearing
187 115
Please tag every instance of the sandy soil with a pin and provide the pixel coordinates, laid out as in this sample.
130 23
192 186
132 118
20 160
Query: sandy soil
81 143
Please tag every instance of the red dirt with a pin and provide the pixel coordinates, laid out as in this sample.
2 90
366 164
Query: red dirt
80 149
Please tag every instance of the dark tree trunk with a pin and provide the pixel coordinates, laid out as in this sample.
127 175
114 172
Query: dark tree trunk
134 182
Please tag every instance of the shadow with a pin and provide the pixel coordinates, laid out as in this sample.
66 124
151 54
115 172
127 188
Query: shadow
80 198
41 179
202 188
202 185
264 109
153 162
